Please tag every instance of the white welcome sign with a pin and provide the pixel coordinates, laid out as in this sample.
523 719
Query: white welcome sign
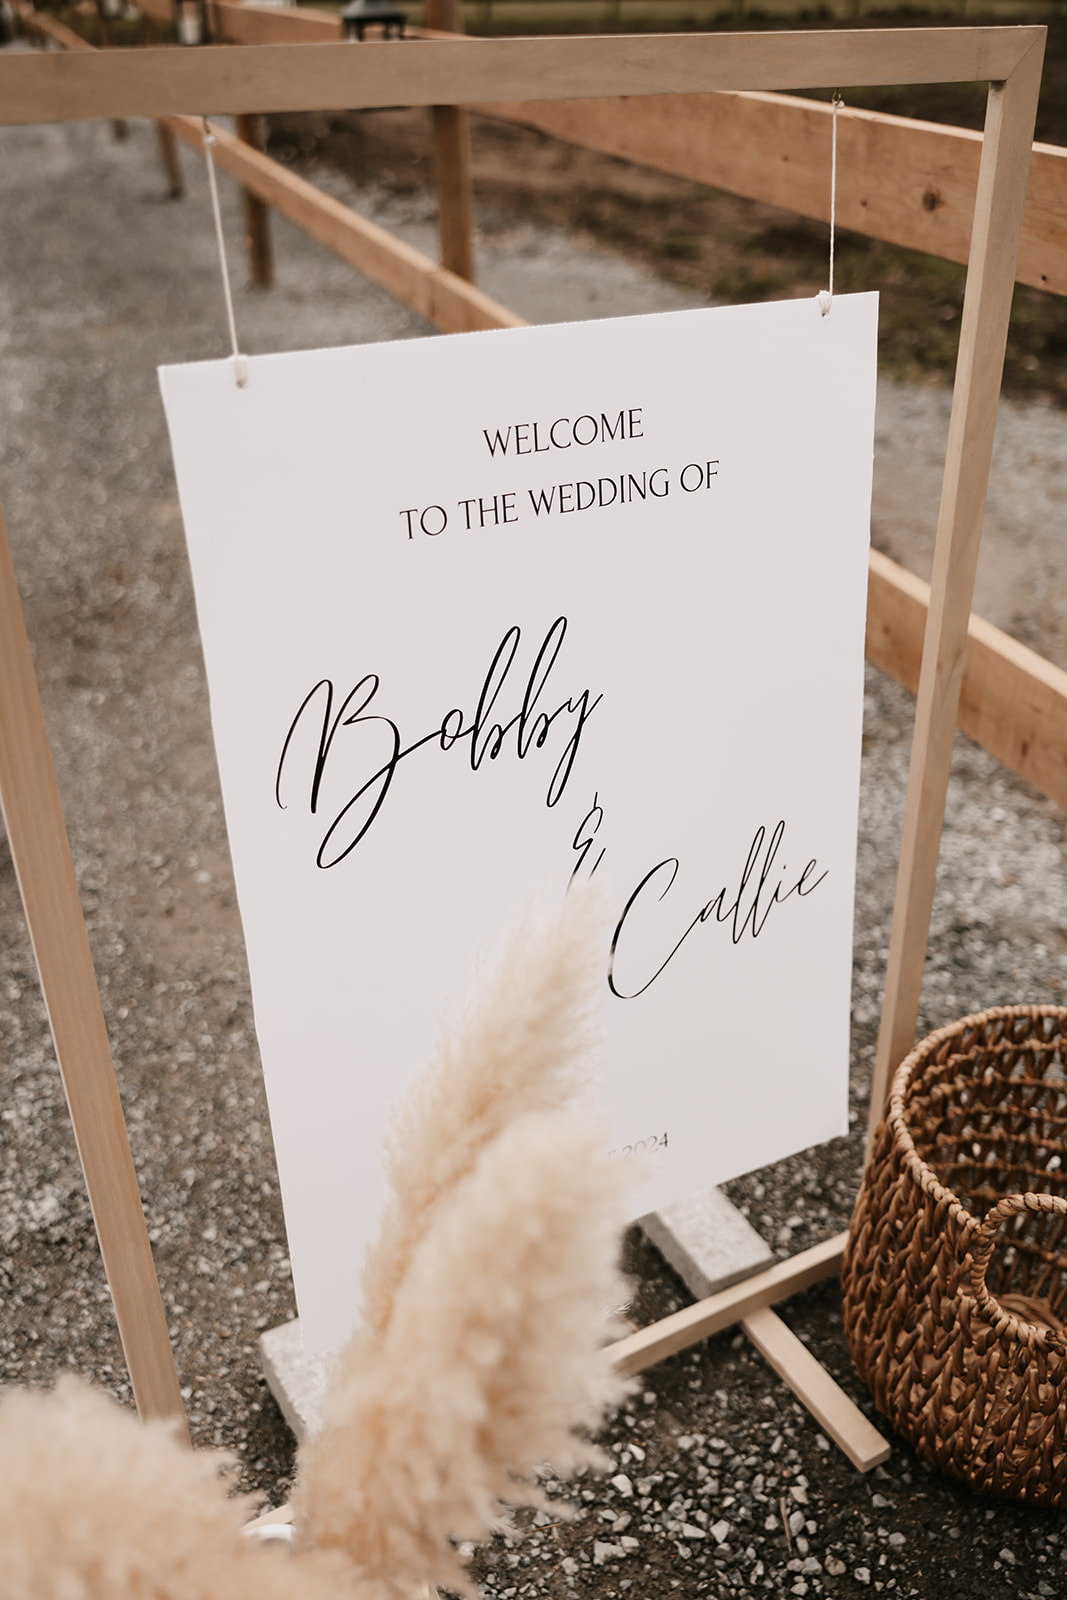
485 613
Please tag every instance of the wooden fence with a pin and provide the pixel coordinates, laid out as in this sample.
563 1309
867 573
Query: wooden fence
909 183
906 182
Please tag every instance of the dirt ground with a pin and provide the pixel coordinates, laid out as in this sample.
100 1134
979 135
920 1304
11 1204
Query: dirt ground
101 280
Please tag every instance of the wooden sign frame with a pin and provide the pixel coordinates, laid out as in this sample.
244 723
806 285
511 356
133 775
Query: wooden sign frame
158 83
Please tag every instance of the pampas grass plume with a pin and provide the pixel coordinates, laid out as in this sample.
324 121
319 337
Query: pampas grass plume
493 1357
523 1043
96 1506
481 1355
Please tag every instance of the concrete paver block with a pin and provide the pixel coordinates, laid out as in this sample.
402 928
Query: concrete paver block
707 1241
297 1381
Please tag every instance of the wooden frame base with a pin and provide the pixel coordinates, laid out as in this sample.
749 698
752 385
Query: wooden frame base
453 72
749 1303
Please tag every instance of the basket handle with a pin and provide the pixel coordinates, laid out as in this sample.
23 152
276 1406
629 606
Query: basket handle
985 1240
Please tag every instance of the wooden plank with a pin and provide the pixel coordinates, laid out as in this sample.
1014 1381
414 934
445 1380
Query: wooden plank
41 854
1009 132
908 182
449 302
1043 249
897 606
776 148
693 1323
154 83
452 162
1012 702
838 1417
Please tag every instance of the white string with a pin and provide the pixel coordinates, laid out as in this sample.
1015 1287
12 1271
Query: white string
240 362
826 296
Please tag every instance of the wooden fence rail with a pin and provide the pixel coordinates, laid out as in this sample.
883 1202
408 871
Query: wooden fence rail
446 300
1013 702
906 182
442 297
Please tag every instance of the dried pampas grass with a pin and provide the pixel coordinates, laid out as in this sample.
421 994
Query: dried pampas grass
492 1359
524 1042
96 1506
481 1356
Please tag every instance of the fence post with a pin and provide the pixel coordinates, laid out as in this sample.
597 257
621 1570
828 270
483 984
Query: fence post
257 214
172 165
452 161
120 128
168 144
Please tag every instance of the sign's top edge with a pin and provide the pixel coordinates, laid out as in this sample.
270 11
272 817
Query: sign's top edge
400 349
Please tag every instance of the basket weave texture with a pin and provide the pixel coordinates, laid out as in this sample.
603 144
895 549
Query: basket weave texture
968 1180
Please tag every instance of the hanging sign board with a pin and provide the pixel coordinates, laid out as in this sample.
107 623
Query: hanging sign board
486 613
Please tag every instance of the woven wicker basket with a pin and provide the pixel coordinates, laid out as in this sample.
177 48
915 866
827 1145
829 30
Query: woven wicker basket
972 1155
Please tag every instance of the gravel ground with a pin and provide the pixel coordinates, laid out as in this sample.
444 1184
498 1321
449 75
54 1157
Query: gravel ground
724 1485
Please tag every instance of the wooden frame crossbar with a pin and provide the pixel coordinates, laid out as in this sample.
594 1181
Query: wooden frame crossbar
332 77
454 72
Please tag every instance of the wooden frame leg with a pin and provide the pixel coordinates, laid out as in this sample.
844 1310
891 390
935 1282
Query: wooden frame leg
41 854
1009 131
